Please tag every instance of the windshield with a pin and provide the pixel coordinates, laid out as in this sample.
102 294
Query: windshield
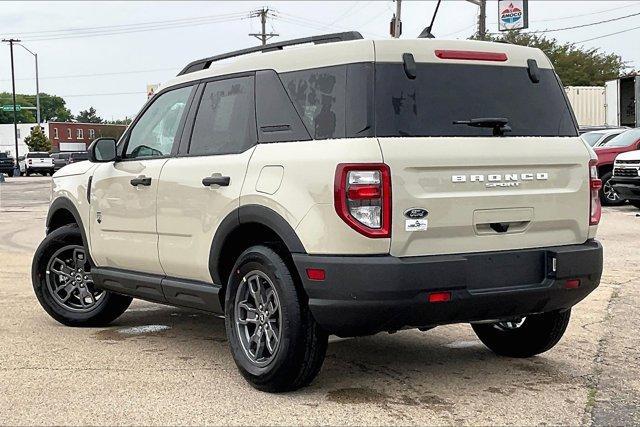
592 137
80 156
624 139
38 156
444 93
3 156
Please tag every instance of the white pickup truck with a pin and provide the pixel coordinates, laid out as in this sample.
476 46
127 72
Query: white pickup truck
36 162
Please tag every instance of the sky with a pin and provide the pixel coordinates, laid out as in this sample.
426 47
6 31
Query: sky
82 60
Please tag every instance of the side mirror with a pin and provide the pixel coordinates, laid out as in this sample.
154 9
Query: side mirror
102 150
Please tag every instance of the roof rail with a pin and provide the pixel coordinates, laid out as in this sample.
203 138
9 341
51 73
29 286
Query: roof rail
202 64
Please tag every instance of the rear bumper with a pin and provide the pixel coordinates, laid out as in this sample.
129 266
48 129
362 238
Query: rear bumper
627 188
365 295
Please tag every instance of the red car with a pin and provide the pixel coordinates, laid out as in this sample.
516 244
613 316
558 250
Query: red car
607 153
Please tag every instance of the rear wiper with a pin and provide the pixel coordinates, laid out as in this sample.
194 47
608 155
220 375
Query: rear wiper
498 124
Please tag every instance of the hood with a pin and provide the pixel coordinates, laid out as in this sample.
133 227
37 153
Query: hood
629 155
78 168
609 150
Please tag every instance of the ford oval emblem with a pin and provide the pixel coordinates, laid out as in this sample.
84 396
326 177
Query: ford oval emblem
416 213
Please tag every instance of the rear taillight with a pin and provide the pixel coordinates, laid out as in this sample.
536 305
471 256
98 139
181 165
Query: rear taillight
595 210
362 197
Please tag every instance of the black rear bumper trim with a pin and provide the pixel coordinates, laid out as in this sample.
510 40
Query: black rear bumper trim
363 295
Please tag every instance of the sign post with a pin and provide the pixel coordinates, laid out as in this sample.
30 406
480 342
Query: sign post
513 15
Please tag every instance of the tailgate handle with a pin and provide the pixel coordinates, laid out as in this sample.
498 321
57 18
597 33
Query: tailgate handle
499 227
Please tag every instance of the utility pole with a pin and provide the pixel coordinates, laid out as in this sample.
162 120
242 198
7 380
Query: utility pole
37 82
16 169
396 23
263 36
482 18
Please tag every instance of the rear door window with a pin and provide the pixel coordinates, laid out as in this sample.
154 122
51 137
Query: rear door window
225 122
443 93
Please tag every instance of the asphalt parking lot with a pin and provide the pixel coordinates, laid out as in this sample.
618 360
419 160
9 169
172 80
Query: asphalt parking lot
161 365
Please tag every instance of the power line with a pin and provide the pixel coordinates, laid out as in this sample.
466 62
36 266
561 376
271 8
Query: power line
606 35
98 74
585 14
586 25
62 31
135 30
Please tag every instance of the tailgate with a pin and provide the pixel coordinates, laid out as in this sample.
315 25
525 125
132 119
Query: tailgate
487 194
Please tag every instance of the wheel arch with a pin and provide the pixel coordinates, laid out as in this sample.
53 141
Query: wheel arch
63 212
244 227
603 169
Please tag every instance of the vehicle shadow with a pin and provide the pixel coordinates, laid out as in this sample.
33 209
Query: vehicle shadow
367 369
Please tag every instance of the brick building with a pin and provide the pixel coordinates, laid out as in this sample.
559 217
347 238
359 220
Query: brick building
69 136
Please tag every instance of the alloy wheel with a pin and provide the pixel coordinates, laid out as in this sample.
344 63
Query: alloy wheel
70 283
609 193
258 318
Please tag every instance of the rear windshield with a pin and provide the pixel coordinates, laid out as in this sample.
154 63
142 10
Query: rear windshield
592 137
3 156
443 93
624 139
37 155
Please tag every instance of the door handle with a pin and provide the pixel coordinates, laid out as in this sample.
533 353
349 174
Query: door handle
222 181
141 180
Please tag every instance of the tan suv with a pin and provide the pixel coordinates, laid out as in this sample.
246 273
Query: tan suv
336 185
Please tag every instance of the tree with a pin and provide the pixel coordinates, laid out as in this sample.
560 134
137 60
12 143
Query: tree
126 121
88 116
37 140
52 108
576 66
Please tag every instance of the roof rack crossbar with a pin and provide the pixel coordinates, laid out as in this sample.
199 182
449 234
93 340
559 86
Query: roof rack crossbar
202 64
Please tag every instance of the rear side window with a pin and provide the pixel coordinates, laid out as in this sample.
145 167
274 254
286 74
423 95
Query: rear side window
225 121
443 93
333 102
592 137
319 97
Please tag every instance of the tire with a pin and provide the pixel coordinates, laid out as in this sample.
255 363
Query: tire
58 244
608 196
27 172
10 174
635 203
538 333
298 356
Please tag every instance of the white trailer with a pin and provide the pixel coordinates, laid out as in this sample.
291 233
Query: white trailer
588 104
621 101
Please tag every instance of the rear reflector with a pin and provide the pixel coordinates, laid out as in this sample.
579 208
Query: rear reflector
572 283
439 297
471 55
317 274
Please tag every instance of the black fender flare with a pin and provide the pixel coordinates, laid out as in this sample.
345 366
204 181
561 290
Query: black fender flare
63 203
249 214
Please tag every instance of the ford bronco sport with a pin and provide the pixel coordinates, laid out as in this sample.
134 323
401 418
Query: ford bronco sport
336 186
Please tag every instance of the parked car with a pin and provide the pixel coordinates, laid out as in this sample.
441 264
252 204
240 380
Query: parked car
586 129
36 162
607 153
6 164
78 156
601 137
59 160
626 176
345 187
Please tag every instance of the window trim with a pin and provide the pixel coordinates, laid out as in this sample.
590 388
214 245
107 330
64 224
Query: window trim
69 133
124 140
79 133
56 134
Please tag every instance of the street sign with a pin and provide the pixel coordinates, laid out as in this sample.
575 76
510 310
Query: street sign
10 107
513 15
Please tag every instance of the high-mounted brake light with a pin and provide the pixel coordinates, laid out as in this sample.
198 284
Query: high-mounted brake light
595 208
471 55
362 197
